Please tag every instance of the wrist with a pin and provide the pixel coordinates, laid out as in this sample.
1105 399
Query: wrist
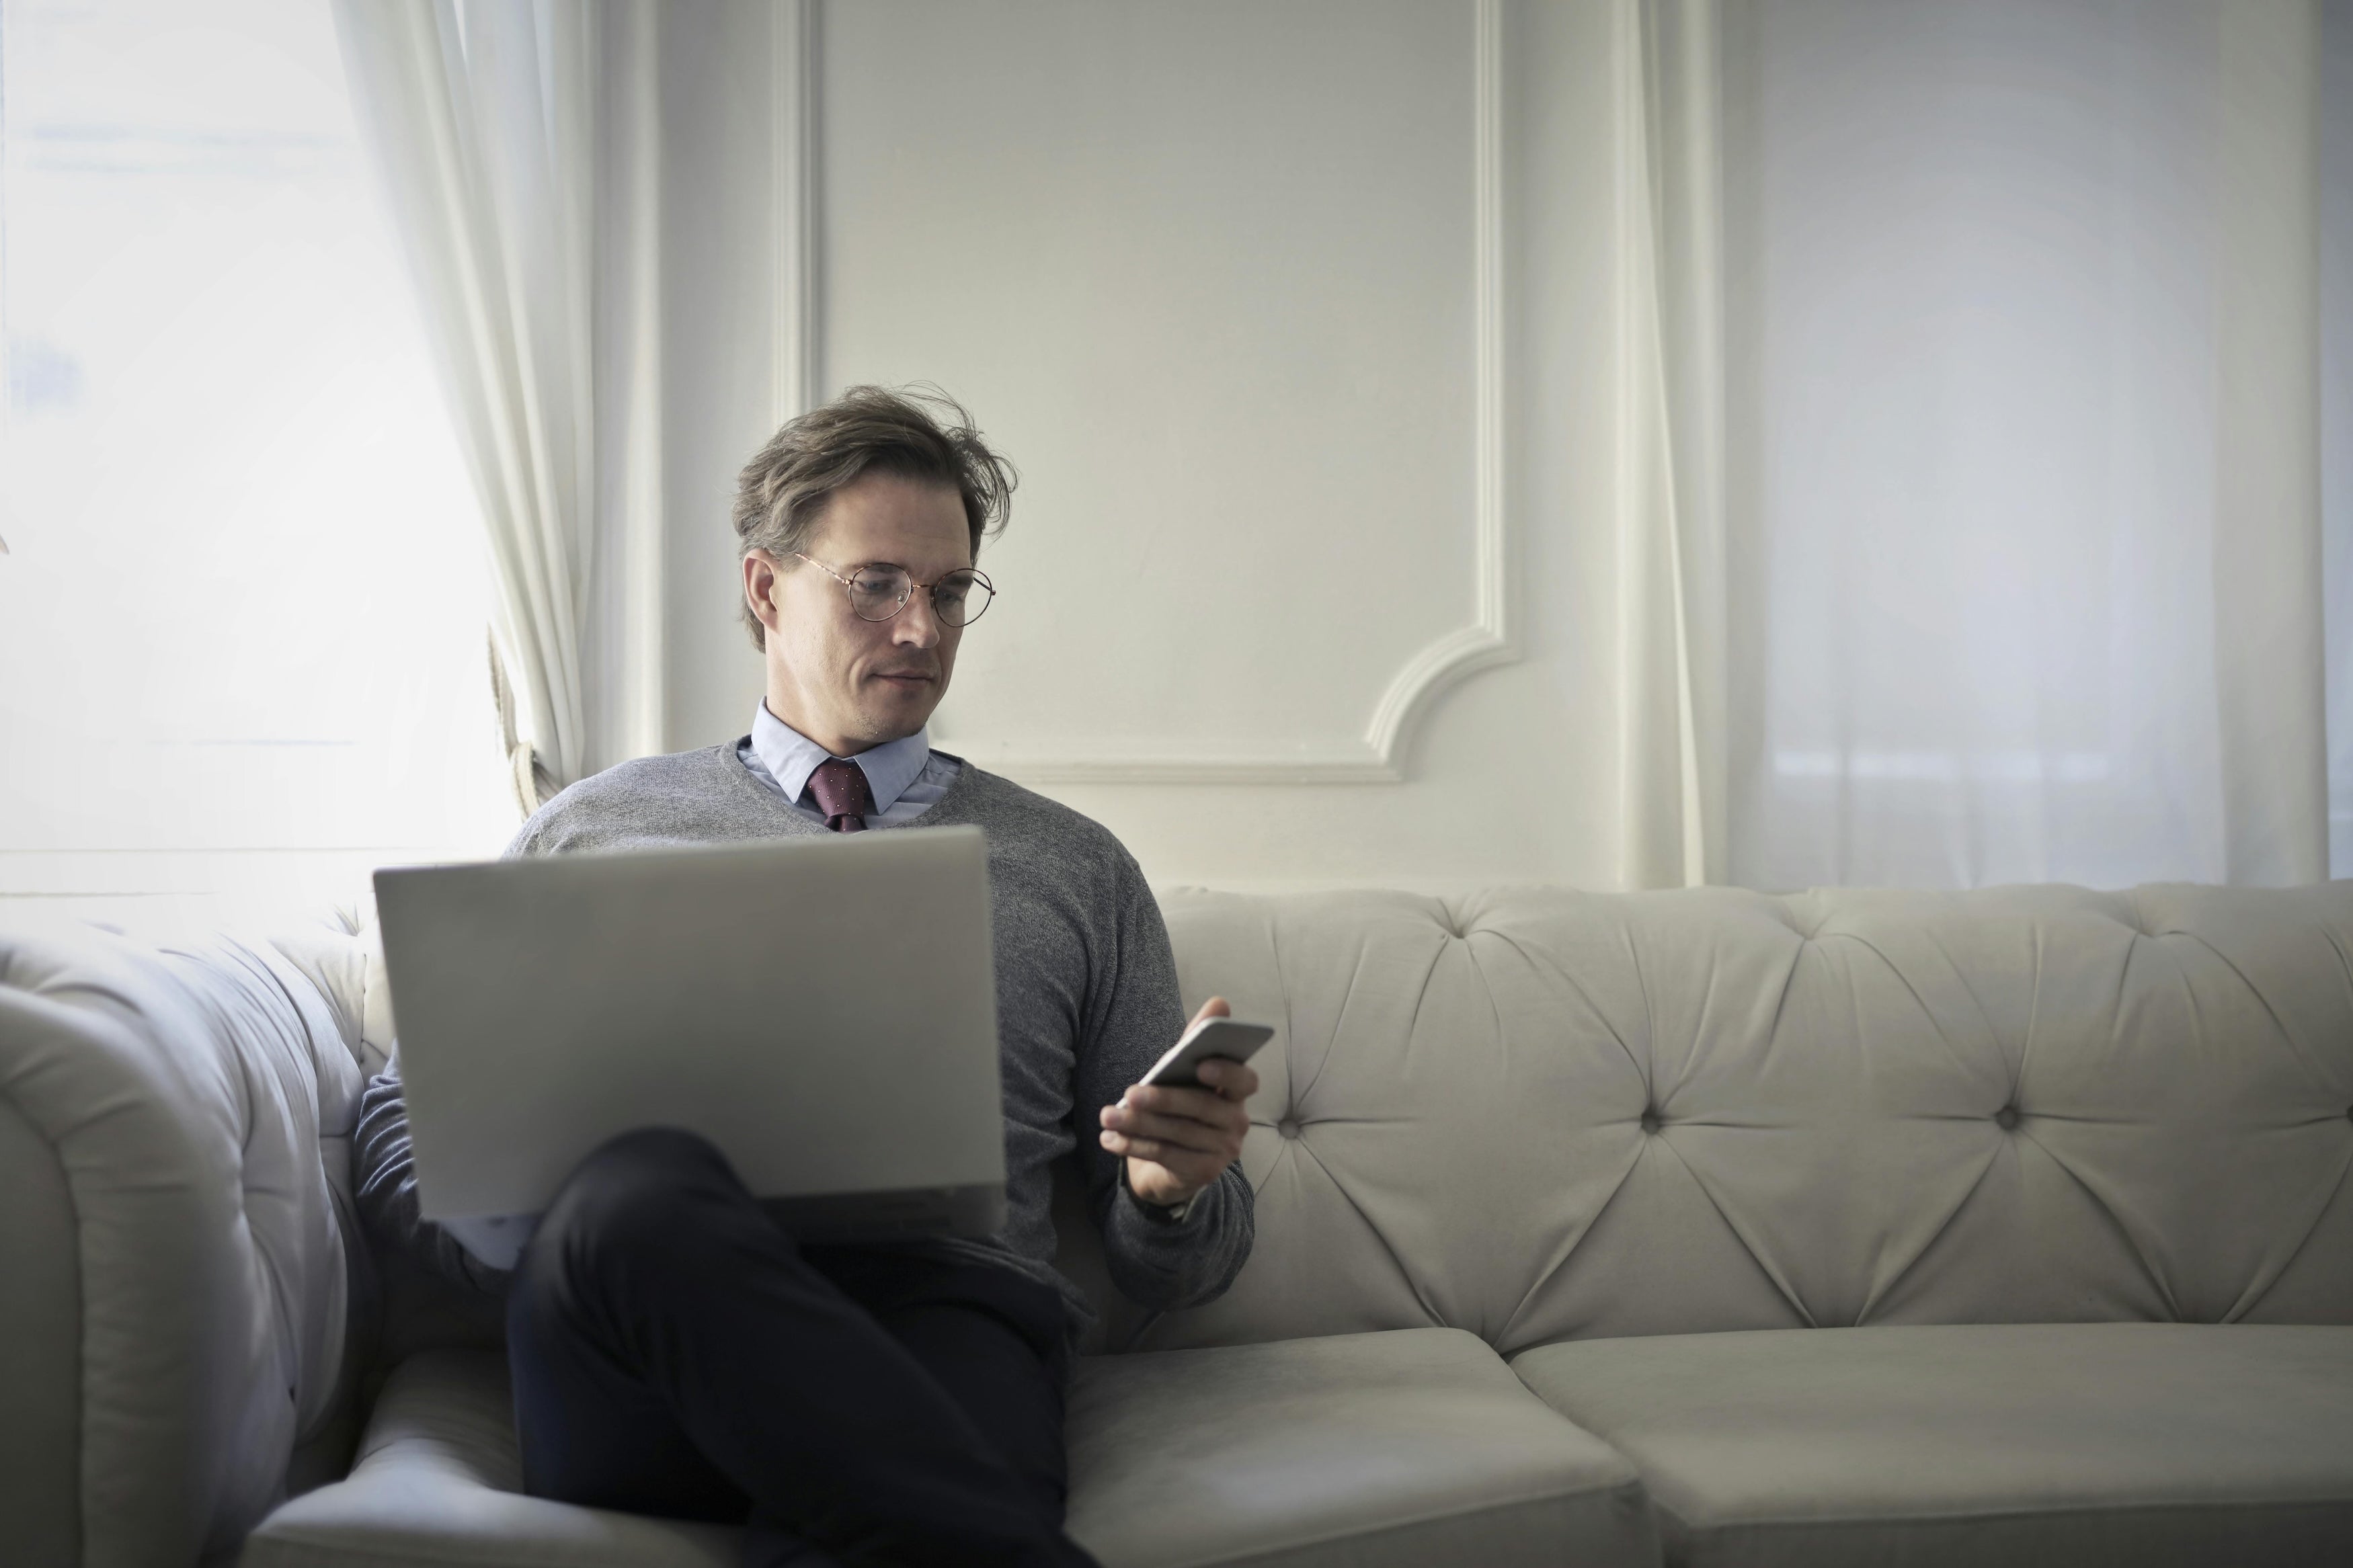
1169 1203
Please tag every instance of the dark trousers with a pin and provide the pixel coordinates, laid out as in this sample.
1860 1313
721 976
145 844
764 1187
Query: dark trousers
675 1353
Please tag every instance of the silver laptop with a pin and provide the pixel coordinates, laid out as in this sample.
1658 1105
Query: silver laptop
822 1010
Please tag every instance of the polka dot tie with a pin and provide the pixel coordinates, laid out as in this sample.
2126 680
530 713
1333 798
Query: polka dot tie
842 795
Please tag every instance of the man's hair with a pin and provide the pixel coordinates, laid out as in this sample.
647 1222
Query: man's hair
914 433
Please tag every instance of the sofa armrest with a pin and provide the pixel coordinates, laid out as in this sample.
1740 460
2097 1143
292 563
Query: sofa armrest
40 1328
174 1306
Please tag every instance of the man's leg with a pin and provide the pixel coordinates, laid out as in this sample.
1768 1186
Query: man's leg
655 1281
991 1338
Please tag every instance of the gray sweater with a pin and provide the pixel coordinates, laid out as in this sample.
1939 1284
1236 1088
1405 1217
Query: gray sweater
1086 1000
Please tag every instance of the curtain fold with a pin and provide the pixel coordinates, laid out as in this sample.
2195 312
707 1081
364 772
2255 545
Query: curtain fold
1671 547
1969 504
516 140
2270 615
2337 413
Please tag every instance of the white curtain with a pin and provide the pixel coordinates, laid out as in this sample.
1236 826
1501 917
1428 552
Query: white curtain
2336 412
1671 671
1980 476
517 146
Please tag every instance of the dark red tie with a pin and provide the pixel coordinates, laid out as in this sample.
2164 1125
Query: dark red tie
842 795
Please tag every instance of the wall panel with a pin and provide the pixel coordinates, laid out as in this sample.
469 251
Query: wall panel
1310 387
1213 275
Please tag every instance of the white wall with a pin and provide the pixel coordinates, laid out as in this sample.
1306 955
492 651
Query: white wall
1282 314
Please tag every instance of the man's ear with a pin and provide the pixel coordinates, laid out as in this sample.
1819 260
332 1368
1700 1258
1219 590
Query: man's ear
760 574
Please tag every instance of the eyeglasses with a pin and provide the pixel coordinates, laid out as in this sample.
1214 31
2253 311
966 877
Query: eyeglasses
878 593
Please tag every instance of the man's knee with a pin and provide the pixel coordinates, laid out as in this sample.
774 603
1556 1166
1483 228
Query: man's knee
640 1198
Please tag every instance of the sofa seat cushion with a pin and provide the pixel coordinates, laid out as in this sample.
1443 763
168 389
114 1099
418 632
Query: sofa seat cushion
2154 1445
436 1485
1406 1447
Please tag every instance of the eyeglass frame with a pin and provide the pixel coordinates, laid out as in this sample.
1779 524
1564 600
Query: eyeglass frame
850 586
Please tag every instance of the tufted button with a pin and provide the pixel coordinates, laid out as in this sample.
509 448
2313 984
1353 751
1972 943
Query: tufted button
1287 1127
2006 1118
1649 1120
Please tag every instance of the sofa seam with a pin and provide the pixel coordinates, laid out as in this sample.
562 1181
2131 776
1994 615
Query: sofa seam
2243 1309
1413 1286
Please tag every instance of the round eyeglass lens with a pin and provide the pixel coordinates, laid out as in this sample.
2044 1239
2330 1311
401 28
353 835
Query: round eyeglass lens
877 592
961 597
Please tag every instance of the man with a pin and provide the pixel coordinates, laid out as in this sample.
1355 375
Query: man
673 1351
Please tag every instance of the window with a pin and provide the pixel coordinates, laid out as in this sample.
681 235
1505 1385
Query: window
242 613
1992 269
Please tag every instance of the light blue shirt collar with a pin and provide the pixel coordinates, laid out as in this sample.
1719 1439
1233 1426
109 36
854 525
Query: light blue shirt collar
790 757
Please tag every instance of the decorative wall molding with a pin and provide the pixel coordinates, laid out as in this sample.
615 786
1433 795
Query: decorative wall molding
1377 756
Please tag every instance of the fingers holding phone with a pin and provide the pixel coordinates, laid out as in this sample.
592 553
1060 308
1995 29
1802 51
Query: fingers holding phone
1183 1124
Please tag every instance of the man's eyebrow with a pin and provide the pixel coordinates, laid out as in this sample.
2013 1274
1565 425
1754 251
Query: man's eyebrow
903 566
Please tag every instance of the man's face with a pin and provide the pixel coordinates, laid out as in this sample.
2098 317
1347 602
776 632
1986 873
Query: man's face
845 683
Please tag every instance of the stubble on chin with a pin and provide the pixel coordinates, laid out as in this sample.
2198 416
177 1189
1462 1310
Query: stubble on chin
886 721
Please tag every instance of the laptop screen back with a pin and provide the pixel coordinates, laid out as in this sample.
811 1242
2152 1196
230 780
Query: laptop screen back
822 1010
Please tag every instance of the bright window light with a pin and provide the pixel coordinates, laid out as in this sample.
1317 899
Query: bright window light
242 614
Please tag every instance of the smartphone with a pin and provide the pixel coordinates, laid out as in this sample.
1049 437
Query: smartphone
1228 1038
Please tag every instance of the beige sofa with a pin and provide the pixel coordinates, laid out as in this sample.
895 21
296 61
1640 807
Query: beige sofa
2011 1227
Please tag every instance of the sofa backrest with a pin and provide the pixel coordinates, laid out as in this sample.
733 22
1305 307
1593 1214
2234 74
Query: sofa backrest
1538 1114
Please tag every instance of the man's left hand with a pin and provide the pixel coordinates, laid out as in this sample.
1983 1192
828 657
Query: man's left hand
1178 1141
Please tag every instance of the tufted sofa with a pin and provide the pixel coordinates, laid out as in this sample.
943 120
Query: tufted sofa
1706 1228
